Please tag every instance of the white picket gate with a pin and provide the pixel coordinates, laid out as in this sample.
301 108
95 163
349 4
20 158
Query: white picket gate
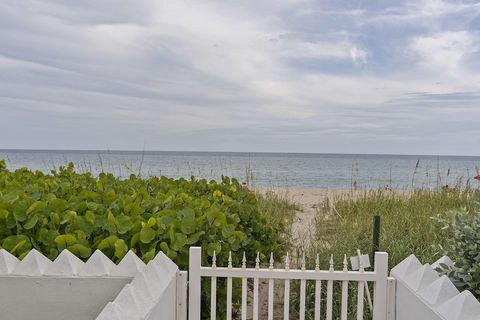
379 278
69 288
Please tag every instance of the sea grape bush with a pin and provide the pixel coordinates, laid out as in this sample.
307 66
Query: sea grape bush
82 212
463 246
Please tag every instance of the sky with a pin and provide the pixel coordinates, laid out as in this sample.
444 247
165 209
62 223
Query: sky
397 77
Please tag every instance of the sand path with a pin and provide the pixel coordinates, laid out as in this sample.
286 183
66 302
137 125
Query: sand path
309 202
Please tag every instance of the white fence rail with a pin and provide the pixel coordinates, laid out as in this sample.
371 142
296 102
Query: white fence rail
378 276
68 288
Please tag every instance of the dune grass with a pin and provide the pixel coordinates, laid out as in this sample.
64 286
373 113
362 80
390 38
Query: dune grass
346 224
280 210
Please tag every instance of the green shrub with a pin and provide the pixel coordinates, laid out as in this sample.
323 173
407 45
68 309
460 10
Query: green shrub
462 230
82 213
65 209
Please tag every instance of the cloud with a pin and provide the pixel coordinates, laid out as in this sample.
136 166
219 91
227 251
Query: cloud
359 56
271 76
446 51
427 11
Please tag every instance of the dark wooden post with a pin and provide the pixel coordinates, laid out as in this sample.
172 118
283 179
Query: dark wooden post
376 236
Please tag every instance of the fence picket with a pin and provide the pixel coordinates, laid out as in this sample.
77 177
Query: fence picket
318 294
255 299
286 301
380 292
286 294
229 298
244 289
302 299
360 293
213 298
344 300
270 299
344 291
330 292
194 276
303 284
318 291
360 296
255 289
213 290
270 290
229 289
329 299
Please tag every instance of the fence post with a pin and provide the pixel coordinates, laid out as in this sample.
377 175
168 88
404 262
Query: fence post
391 298
376 236
194 280
380 290
182 293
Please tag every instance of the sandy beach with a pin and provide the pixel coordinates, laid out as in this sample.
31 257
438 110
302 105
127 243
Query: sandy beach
309 201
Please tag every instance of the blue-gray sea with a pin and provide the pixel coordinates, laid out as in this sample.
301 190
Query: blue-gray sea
266 170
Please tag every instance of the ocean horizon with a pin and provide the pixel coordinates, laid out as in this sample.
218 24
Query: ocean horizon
264 169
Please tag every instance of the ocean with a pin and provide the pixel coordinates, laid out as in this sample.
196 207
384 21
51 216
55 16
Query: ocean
266 170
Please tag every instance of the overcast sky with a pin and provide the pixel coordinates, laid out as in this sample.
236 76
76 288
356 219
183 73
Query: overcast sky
244 75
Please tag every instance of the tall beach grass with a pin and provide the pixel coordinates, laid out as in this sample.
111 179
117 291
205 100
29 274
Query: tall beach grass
346 224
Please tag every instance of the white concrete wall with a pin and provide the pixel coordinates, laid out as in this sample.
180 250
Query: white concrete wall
422 294
152 294
52 298
67 288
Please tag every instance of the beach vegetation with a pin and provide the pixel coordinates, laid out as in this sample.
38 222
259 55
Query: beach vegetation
461 230
345 224
81 212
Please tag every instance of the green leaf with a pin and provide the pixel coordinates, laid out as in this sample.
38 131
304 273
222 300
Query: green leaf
3 213
194 238
107 243
151 222
17 244
31 222
164 247
147 235
68 216
124 224
216 217
189 222
149 255
65 240
135 239
21 256
36 206
80 250
20 215
179 241
121 248
81 223
55 218
58 205
217 247
46 236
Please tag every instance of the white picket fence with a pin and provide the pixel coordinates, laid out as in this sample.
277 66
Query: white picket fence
379 278
68 288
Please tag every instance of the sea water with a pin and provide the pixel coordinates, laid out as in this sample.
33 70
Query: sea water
266 170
